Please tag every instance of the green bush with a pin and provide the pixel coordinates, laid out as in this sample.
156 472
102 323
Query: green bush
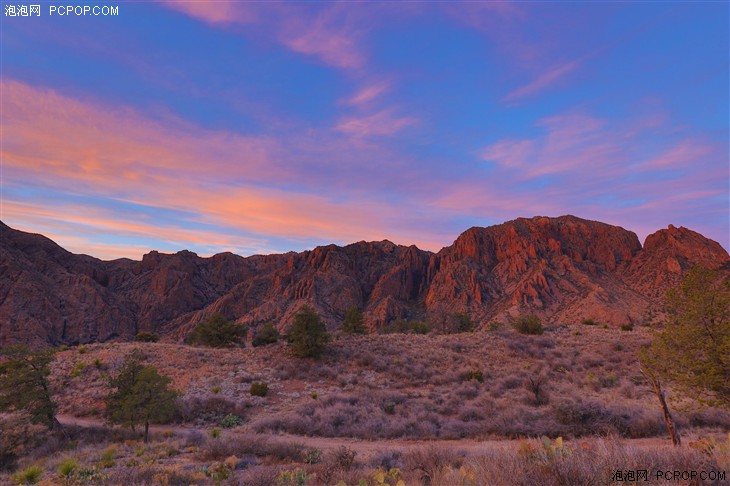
216 389
528 324
464 322
146 337
266 335
219 472
218 332
64 347
259 389
230 421
67 468
29 475
308 334
407 326
474 375
313 456
77 369
353 323
589 322
215 432
627 327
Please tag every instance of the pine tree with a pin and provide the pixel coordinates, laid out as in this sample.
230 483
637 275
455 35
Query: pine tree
308 334
692 352
266 335
353 323
140 396
24 384
218 332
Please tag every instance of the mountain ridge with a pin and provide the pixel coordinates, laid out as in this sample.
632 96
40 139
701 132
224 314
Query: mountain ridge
564 268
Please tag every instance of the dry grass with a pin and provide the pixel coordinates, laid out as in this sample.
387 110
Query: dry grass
243 459
405 386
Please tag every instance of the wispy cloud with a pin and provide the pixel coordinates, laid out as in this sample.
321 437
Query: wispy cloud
328 34
244 185
367 94
544 80
382 123
218 12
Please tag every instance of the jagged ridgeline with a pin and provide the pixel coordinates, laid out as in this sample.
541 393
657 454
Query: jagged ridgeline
563 269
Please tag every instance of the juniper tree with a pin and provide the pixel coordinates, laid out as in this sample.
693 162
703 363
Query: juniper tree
218 332
140 396
266 335
353 323
308 334
24 384
692 352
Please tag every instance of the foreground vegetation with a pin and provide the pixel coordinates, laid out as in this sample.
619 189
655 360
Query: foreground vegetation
226 406
96 455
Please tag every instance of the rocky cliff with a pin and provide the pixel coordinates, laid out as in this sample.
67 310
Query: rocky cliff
564 269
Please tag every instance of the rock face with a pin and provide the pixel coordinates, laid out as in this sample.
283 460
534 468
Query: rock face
564 269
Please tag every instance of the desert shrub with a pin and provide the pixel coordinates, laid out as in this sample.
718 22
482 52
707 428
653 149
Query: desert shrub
389 459
230 421
404 326
262 475
266 335
430 461
77 369
464 322
218 332
67 468
219 471
215 390
209 408
308 334
537 385
18 437
313 456
627 327
294 477
29 475
343 457
259 389
528 324
588 322
353 323
146 337
215 432
476 375
592 417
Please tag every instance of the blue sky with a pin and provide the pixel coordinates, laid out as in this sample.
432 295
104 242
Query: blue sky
259 127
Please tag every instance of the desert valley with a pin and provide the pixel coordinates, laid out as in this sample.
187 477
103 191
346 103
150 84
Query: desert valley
510 357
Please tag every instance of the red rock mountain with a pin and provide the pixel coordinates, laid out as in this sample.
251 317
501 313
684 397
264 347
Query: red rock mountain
565 269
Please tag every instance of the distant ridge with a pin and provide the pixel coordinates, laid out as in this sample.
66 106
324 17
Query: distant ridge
564 269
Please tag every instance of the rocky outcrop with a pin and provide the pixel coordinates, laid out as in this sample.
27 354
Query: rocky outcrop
564 269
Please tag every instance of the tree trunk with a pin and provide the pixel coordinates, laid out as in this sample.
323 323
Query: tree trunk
656 386
146 431
56 425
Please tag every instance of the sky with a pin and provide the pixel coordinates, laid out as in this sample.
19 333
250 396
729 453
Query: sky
262 127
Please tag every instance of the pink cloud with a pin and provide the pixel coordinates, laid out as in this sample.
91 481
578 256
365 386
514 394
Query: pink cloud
214 178
218 12
367 94
329 34
383 123
325 36
543 81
